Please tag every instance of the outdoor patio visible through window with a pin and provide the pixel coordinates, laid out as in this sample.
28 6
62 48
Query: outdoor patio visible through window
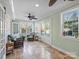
70 24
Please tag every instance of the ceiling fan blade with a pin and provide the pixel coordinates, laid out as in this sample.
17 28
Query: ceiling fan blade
35 18
31 17
51 2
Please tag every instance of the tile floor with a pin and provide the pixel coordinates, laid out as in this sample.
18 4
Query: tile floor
32 50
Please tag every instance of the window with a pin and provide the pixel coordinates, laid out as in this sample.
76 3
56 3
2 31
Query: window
42 28
1 23
2 28
70 23
15 28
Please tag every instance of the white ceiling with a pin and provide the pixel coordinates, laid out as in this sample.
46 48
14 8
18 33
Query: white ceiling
21 7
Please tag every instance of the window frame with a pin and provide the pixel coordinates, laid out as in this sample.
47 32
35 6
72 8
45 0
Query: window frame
62 22
13 29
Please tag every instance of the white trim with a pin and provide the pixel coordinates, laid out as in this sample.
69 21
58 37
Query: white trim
50 30
2 8
12 7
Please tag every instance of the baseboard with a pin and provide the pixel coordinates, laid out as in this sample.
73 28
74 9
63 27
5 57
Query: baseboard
61 51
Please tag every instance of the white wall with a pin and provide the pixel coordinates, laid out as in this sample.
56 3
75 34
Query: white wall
66 44
4 56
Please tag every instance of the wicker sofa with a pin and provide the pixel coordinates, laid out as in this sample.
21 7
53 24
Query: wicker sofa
18 41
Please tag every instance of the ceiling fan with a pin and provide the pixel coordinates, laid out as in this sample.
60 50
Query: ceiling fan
31 17
51 2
